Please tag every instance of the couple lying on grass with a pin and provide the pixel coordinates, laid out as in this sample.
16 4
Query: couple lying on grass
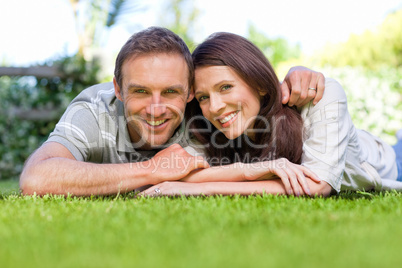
237 137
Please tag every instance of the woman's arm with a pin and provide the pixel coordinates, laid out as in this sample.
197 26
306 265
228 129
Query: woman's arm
274 186
328 129
292 176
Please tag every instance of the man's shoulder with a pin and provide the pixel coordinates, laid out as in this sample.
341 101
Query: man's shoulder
97 93
96 102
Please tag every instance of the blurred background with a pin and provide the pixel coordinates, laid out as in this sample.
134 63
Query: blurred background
50 50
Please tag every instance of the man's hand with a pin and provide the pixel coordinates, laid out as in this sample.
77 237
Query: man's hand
172 164
299 83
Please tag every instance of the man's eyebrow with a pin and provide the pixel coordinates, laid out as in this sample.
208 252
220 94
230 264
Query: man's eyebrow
133 85
138 86
178 86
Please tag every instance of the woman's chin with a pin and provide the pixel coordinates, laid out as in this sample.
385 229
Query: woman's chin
231 136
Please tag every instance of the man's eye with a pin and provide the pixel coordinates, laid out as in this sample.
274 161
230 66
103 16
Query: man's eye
226 87
171 91
140 91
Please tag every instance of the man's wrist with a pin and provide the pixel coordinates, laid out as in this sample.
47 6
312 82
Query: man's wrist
144 170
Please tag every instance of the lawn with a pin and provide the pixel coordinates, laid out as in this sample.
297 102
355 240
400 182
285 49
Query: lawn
349 230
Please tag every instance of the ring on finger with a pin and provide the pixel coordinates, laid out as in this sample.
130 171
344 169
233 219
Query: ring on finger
312 88
158 191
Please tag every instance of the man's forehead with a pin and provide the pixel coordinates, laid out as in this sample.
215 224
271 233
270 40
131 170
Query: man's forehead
156 71
153 57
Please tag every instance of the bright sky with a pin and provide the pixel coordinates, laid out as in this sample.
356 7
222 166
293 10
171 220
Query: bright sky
35 31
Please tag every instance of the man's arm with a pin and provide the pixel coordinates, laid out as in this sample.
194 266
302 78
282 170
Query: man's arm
53 169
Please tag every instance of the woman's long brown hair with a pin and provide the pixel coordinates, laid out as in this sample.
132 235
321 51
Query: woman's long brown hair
282 125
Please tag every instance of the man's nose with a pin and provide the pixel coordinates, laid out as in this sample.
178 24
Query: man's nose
156 108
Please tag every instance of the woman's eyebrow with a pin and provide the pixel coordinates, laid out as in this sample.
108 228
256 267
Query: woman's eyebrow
197 93
223 82
215 86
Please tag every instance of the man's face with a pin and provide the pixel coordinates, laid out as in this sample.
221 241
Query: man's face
154 92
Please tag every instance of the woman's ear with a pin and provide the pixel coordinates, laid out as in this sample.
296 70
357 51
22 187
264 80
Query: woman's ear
261 92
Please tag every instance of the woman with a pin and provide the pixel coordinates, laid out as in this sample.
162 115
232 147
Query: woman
254 137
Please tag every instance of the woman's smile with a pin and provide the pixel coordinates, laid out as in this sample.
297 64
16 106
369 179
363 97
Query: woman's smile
228 119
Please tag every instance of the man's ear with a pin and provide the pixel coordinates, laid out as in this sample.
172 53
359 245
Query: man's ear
190 95
117 90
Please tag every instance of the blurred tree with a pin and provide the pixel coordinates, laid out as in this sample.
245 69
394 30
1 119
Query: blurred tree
181 16
372 50
276 50
32 106
94 17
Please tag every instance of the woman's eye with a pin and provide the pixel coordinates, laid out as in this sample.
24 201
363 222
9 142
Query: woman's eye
202 98
226 87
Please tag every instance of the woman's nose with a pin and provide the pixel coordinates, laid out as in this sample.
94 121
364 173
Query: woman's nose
216 104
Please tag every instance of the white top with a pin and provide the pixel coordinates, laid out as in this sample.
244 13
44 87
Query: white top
340 154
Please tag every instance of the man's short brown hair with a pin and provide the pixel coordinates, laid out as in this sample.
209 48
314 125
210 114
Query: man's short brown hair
153 40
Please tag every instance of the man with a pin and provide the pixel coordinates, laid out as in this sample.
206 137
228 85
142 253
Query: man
117 138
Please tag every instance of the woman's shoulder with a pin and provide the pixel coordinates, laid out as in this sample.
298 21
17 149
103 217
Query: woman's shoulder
333 91
333 103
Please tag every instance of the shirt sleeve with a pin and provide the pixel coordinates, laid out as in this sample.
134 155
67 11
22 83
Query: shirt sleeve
78 130
327 127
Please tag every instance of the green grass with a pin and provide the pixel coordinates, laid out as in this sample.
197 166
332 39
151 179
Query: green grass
350 230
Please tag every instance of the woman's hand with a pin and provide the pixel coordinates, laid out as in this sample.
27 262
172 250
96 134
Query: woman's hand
175 188
293 176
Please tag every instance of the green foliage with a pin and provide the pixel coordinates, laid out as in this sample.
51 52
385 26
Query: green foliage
350 230
180 16
369 67
276 50
372 49
33 106
374 98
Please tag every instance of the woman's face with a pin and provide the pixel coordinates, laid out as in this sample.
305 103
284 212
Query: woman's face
226 100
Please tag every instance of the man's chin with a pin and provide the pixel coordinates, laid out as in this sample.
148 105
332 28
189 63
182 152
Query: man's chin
151 140
151 145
